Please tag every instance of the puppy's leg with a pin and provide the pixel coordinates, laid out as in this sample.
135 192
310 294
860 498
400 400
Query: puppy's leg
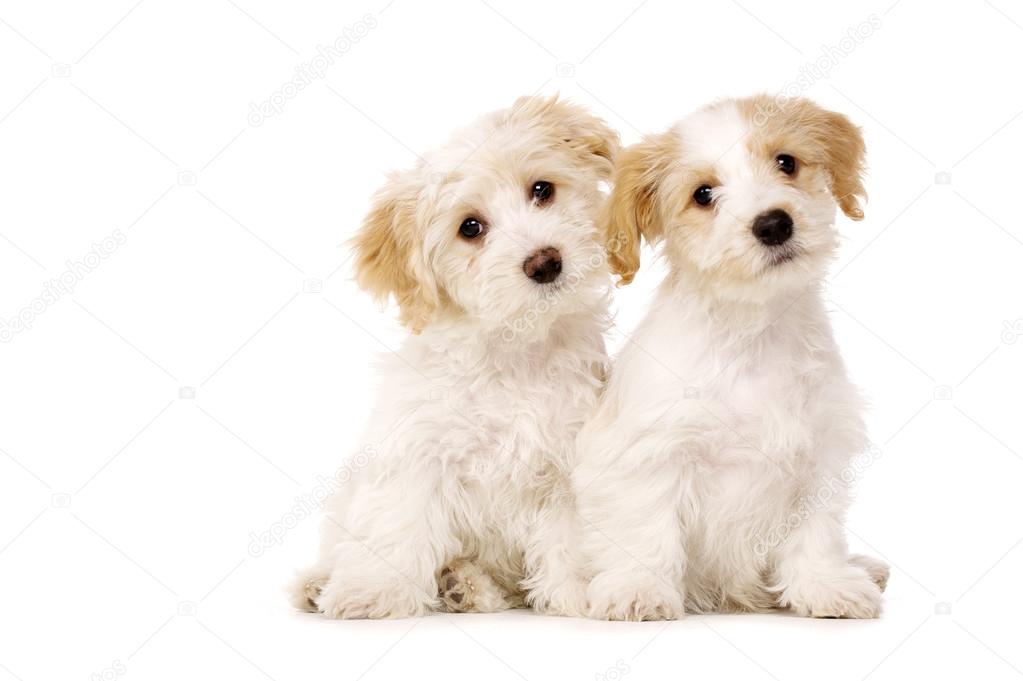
305 587
554 583
631 534
465 587
815 576
876 568
391 548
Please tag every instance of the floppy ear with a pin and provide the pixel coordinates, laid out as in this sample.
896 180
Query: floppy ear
594 138
387 261
845 157
593 141
632 211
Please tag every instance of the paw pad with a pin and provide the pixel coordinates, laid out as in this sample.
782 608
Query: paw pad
456 593
312 590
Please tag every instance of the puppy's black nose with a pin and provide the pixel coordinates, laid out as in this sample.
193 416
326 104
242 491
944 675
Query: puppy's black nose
543 266
773 227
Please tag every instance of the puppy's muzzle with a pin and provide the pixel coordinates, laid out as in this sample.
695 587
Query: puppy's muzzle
543 266
773 227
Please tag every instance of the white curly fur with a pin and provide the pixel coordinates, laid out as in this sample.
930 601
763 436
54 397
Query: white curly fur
472 433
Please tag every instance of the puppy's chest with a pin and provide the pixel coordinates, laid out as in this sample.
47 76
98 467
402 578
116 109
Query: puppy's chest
527 417
761 392
497 419
770 404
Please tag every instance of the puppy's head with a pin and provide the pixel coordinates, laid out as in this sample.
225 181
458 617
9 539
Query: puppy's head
743 194
498 226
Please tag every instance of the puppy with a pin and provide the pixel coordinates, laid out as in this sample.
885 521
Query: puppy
491 250
714 474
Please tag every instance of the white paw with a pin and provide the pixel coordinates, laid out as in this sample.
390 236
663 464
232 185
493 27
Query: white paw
348 599
849 593
876 568
567 599
623 597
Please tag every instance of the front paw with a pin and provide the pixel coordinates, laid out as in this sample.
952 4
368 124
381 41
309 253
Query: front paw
567 599
623 597
849 593
351 599
876 568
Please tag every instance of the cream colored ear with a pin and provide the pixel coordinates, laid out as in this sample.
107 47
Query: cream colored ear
594 141
632 210
844 151
600 143
387 260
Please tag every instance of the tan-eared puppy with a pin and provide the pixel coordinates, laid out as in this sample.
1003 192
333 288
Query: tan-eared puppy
491 249
715 473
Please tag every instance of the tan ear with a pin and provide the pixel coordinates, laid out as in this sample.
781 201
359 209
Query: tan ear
632 210
387 261
595 142
845 155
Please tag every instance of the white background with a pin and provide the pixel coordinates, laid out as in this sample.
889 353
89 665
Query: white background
129 502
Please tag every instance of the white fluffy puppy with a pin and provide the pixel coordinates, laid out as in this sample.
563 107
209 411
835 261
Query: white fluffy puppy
714 474
491 249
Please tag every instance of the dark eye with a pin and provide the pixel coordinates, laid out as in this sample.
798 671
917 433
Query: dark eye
471 228
786 163
703 195
542 192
